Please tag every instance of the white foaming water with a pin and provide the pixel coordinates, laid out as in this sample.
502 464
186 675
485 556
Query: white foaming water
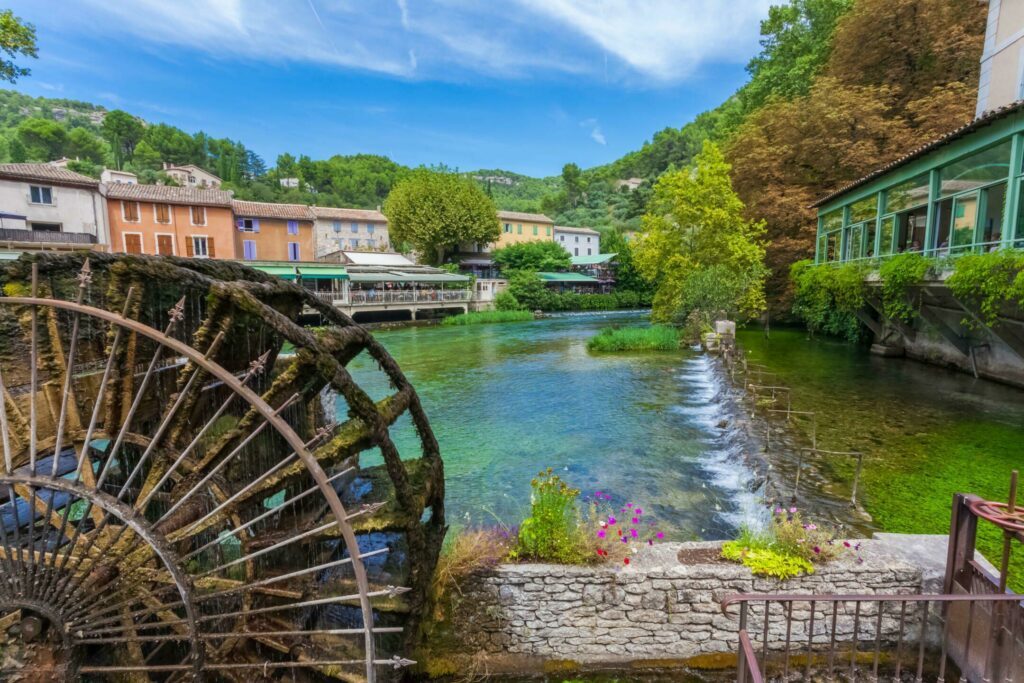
706 405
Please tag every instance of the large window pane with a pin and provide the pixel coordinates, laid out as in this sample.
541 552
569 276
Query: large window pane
822 248
863 210
870 228
983 168
907 194
832 246
943 222
910 231
833 220
965 215
854 235
992 220
885 243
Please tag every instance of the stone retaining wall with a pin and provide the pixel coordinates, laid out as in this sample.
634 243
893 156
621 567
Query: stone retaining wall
658 608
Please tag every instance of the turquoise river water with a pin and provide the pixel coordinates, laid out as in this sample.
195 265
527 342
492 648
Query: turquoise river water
665 430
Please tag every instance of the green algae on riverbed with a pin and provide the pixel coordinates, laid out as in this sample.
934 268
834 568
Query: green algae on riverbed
926 432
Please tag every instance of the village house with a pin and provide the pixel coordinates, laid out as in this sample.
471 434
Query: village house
169 221
273 232
349 229
190 175
519 227
43 206
578 241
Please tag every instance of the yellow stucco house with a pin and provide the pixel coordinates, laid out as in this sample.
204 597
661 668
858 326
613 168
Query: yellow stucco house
519 227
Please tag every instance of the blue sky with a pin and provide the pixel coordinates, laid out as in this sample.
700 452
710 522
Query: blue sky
523 85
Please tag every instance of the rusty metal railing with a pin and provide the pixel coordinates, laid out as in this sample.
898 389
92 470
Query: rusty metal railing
859 636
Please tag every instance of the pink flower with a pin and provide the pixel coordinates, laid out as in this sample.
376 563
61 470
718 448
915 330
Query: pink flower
817 549
598 495
792 510
633 533
638 511
625 540
636 520
660 534
846 543
629 505
600 534
611 519
779 511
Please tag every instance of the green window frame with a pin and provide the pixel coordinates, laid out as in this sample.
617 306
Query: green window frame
519 229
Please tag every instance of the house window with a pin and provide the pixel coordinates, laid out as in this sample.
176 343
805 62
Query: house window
508 227
577 251
369 228
293 251
45 227
249 250
202 247
561 238
577 238
337 226
165 245
130 211
353 243
198 215
248 225
355 227
547 231
162 212
293 227
535 229
588 251
40 195
519 229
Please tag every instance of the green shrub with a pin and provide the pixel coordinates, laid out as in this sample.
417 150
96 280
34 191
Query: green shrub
899 274
827 297
627 299
765 561
653 338
553 532
506 301
991 281
481 317
788 548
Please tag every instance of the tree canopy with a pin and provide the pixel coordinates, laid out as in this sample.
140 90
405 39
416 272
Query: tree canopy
542 256
17 38
434 212
696 222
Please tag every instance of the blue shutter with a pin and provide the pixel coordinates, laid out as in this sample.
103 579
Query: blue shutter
255 225
239 223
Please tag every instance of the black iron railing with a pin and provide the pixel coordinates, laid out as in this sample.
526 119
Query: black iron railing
46 236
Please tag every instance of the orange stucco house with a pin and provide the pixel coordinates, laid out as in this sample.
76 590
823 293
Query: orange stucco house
170 221
273 232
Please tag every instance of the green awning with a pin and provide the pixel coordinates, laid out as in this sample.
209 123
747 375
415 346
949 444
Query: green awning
578 278
315 272
592 260
434 277
9 255
283 272
398 276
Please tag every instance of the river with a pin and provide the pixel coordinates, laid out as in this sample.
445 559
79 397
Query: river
663 430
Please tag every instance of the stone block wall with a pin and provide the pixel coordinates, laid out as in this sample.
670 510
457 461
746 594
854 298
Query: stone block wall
658 608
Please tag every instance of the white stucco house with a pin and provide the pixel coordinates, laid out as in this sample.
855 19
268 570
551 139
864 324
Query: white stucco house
43 206
190 175
578 241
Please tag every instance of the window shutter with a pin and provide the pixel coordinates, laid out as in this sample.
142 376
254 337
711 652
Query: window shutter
255 225
189 247
210 251
239 223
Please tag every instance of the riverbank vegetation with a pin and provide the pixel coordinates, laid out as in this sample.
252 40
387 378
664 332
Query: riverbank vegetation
485 317
619 339
527 291
828 296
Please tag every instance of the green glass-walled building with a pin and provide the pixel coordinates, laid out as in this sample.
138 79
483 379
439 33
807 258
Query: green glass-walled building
958 194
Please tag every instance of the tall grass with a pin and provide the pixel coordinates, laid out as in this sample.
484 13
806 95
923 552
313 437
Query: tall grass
653 338
480 317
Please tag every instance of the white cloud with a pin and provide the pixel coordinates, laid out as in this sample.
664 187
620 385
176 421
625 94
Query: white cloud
595 131
653 41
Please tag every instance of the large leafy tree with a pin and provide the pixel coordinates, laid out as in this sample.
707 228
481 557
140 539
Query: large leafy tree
43 139
696 222
627 276
123 131
84 145
434 212
17 38
542 256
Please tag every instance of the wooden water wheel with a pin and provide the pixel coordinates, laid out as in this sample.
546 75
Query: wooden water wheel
178 500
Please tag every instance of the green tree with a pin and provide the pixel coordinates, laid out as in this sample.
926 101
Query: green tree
146 157
543 256
627 277
173 145
530 291
43 139
123 131
16 38
696 221
85 146
572 179
434 212
16 150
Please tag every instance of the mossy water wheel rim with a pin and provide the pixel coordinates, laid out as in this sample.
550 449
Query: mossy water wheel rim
116 536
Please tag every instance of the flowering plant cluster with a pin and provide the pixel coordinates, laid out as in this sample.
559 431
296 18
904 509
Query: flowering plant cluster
552 532
810 541
618 536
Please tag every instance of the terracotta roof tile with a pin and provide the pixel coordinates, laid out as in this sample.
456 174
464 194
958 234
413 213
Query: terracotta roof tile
330 212
168 194
985 119
517 216
56 175
299 212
